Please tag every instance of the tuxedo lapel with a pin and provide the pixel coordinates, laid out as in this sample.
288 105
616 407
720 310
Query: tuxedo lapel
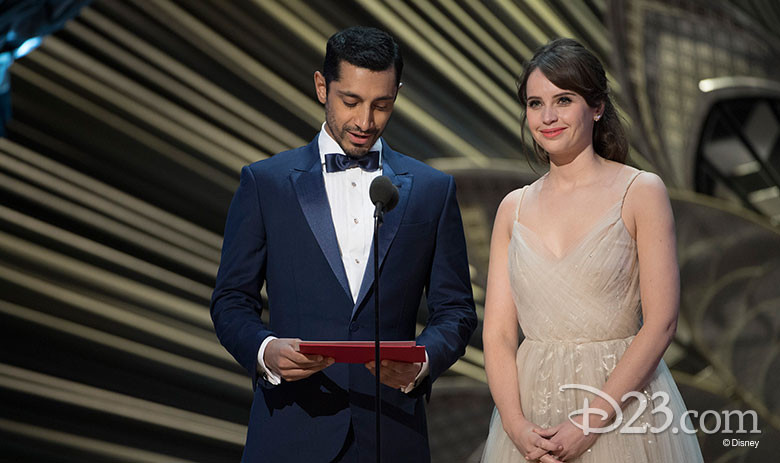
310 188
403 181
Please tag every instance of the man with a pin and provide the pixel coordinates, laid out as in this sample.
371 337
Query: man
302 223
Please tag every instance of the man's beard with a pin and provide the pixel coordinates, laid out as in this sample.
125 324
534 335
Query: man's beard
342 138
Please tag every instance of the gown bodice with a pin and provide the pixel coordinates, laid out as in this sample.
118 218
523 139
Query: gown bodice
590 293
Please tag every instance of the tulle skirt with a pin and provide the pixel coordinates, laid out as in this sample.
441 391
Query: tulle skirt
657 431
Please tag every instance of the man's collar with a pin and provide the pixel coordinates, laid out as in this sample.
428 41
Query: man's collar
328 145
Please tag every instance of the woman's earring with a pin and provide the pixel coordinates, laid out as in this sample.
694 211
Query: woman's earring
597 118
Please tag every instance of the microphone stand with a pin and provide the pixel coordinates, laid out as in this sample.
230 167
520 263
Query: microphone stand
385 196
378 219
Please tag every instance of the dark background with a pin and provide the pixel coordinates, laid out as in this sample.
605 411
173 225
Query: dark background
128 127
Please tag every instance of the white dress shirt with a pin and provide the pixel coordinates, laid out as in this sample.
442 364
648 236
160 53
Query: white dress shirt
352 213
351 210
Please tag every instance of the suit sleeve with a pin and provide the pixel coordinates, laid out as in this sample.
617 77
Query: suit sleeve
236 304
452 316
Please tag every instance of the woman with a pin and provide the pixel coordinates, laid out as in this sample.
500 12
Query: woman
569 256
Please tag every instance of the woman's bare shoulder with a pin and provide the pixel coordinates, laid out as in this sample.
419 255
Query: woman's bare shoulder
507 209
646 194
647 183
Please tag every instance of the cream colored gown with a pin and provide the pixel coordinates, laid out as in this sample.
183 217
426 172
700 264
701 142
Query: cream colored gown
579 313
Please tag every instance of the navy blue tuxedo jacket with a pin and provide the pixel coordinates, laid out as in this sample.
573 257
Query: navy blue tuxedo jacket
279 233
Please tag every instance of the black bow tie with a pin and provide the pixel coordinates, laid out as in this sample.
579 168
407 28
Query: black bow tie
337 162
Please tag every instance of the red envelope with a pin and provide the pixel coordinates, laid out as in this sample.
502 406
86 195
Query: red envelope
363 351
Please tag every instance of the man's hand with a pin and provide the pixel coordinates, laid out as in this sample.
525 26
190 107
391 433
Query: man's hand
397 375
282 357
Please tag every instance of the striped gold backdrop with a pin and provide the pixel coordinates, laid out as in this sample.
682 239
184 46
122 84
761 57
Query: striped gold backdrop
130 126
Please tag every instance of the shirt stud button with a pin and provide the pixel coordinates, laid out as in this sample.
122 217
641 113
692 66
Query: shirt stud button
354 184
356 220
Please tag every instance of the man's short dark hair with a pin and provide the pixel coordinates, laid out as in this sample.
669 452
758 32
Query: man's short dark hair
364 47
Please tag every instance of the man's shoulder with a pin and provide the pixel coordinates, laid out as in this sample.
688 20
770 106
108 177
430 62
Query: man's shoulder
283 161
419 168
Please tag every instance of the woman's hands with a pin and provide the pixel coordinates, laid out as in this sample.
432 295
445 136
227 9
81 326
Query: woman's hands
527 438
570 439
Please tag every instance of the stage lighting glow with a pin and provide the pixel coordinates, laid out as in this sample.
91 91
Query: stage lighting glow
28 46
